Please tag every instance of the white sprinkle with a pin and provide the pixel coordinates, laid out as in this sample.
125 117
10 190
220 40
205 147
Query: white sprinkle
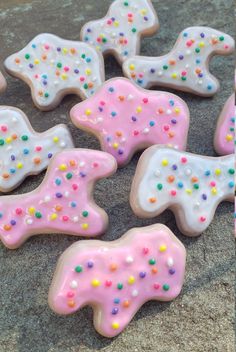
135 293
157 173
129 260
170 262
29 221
73 284
188 172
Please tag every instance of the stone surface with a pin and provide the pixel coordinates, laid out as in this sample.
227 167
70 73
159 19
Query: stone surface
202 318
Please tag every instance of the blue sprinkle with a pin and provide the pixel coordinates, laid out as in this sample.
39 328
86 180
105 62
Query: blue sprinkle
172 103
116 300
111 89
231 184
180 184
152 123
73 204
12 171
1 215
26 151
113 114
58 182
208 173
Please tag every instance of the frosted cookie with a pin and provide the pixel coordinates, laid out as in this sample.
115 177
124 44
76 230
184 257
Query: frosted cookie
24 152
120 31
192 186
117 278
126 118
225 130
186 67
63 203
54 67
3 83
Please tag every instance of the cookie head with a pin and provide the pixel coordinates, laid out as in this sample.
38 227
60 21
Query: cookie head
54 67
117 278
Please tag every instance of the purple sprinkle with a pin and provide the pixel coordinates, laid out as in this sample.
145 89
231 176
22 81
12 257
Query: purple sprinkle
49 155
142 275
76 71
31 66
200 75
58 49
82 174
172 271
174 121
13 222
120 152
45 83
113 19
145 18
89 30
134 118
100 109
174 167
152 70
115 311
13 157
90 264
202 35
204 197
59 195
181 57
121 34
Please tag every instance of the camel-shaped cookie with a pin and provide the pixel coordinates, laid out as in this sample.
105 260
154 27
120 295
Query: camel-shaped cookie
224 141
3 83
54 67
24 152
63 203
120 31
190 185
117 278
186 67
126 118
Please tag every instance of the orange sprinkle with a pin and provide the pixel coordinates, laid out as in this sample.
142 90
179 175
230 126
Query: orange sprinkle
90 85
194 179
5 176
71 303
57 73
171 134
113 267
17 60
44 57
121 98
7 227
72 50
40 93
119 134
152 200
133 75
126 304
37 161
172 62
58 207
72 163
14 136
160 110
171 179
154 270
198 70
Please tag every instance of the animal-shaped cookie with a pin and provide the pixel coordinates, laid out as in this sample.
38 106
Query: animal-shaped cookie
54 67
117 278
126 118
190 185
224 141
2 83
120 32
24 152
186 67
63 203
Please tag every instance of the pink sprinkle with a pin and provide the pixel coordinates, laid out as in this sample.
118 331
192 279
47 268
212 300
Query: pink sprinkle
70 294
46 46
108 283
189 43
145 251
184 73
65 218
82 79
141 75
156 286
213 184
136 133
173 193
202 219
19 211
66 69
102 103
166 128
184 160
75 187
226 47
109 22
95 164
145 100
38 149
4 128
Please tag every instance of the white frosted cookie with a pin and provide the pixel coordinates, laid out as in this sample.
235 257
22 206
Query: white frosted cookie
192 186
24 152
186 67
54 67
119 33
3 83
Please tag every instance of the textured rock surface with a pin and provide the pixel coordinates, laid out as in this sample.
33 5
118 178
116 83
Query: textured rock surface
201 319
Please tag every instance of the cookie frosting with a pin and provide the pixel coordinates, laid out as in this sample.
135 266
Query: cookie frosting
190 185
117 278
127 118
23 151
63 203
186 67
225 132
120 32
54 67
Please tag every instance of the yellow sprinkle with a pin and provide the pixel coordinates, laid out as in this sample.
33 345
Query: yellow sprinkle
8 140
115 145
139 109
98 48
189 191
116 23
201 44
85 226
131 280
55 139
174 75
143 12
132 67
229 137
163 248
65 51
165 162
214 191
102 35
19 166
115 325
31 210
63 167
218 172
177 110
53 216
64 76
88 71
36 61
95 283
88 112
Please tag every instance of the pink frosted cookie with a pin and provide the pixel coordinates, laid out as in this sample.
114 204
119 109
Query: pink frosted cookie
192 186
225 130
186 67
2 83
126 118
117 278
24 152
63 203
54 67
120 32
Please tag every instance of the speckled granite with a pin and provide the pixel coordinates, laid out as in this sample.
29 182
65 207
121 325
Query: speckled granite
202 318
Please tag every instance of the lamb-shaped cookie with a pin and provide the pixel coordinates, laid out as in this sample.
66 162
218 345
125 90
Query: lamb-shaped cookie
3 83
190 185
54 67
186 67
23 151
126 118
225 130
120 32
63 203
117 278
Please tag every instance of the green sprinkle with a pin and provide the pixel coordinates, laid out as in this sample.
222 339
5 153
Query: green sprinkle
196 186
59 65
69 176
24 138
165 67
126 3
152 262
197 50
222 38
46 95
79 269
159 186
27 56
104 40
231 171
85 86
134 30
38 215
120 286
184 78
85 214
83 56
2 142
166 287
